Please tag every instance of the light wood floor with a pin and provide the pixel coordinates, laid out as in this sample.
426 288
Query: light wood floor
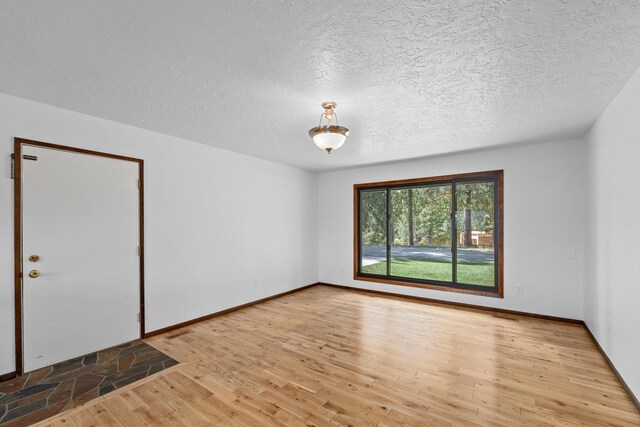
326 356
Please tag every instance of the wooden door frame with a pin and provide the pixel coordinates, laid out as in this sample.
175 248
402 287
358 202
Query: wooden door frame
17 231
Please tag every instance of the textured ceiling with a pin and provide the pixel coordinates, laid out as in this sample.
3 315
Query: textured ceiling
411 78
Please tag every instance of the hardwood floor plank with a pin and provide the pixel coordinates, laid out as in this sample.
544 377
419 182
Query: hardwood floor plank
119 410
332 357
104 416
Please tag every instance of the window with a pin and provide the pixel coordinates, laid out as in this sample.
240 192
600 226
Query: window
440 233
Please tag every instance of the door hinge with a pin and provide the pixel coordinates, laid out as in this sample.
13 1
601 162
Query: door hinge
138 184
13 162
138 317
139 251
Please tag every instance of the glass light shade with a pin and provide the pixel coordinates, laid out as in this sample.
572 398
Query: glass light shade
329 138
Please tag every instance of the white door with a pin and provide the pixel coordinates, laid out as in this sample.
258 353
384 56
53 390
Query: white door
80 216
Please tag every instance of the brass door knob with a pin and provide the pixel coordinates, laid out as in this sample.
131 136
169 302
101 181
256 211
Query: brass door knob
34 274
34 258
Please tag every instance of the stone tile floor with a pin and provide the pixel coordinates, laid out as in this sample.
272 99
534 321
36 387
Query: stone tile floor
48 391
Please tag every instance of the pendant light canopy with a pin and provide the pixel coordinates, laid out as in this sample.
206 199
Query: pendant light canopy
329 136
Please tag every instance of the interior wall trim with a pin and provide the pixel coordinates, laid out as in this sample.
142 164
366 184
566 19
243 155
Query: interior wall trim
8 376
220 313
456 304
633 397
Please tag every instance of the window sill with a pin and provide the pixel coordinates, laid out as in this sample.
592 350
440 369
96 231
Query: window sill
493 294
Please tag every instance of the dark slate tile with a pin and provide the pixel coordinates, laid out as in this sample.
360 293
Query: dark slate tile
143 348
90 359
147 349
155 368
168 363
14 384
26 392
105 369
3 409
23 410
125 362
128 344
158 358
131 379
146 353
106 389
86 382
109 353
135 345
66 363
29 399
63 393
35 416
68 372
107 362
133 349
89 395
124 374
36 377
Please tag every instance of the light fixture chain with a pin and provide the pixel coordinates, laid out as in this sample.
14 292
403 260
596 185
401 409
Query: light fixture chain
320 122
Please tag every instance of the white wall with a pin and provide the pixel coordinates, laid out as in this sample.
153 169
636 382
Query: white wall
214 220
211 213
612 290
544 204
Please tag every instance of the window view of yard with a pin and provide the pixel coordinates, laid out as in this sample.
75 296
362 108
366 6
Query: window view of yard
420 233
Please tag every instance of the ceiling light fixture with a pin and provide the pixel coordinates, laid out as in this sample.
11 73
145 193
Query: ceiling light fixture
329 137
